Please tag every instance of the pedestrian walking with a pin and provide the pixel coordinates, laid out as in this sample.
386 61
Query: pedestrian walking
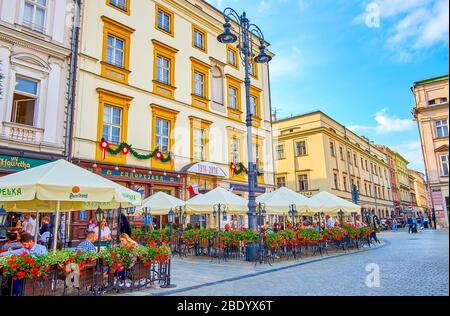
433 216
394 225
410 225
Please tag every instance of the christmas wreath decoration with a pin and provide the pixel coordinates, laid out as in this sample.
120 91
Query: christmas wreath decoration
126 149
238 168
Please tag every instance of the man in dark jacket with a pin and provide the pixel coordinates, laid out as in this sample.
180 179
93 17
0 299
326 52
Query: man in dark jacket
410 225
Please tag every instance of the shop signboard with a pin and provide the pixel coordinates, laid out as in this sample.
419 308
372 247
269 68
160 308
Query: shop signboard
139 176
244 187
14 163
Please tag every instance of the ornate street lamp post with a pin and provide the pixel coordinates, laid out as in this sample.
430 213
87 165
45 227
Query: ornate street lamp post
220 209
3 217
341 219
261 215
246 34
171 219
292 213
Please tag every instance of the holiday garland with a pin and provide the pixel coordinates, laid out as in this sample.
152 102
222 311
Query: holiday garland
126 148
238 168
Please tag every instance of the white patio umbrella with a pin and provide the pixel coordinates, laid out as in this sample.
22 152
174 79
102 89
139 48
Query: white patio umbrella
204 204
62 186
332 204
263 197
160 203
278 202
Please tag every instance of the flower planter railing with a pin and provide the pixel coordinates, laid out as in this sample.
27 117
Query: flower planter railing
72 274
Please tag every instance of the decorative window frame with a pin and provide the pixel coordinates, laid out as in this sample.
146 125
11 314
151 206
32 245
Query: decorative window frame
234 133
171 15
196 122
127 10
255 67
257 140
163 50
195 28
236 56
170 115
106 97
233 82
202 68
256 93
123 32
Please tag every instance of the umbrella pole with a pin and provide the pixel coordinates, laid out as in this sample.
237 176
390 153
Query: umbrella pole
55 234
35 227
160 222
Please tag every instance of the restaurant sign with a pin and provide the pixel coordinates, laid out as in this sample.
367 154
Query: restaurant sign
14 163
243 187
10 192
138 176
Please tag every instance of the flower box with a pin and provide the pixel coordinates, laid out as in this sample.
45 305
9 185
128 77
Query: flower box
37 287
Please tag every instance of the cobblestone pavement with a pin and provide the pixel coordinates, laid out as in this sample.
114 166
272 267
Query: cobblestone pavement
408 265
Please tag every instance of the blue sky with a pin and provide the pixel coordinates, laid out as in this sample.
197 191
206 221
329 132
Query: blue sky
354 59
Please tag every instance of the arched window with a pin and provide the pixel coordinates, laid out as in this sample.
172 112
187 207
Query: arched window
217 85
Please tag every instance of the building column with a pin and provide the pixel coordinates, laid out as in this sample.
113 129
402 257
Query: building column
5 53
52 124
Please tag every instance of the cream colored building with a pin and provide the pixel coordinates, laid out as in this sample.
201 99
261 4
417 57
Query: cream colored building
153 75
403 181
313 153
419 188
35 39
431 112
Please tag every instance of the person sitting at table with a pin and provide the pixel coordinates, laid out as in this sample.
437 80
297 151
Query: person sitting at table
125 240
45 225
28 246
105 232
13 242
88 244
29 224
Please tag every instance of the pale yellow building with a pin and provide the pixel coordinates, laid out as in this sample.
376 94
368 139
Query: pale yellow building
420 190
403 181
153 79
314 153
431 112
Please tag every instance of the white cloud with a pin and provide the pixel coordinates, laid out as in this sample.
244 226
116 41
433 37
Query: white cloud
286 64
414 24
385 124
263 6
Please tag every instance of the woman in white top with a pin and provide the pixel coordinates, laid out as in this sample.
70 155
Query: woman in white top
105 233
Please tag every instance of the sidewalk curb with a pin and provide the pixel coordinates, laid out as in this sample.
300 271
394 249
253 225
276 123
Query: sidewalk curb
194 287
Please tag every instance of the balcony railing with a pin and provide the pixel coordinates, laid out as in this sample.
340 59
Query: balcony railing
23 133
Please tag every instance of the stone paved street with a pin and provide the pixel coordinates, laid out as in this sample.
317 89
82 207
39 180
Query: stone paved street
409 265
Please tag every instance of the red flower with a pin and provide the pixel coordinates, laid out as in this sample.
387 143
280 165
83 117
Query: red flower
21 274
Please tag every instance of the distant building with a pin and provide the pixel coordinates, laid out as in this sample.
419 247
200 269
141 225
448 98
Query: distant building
419 187
315 153
431 112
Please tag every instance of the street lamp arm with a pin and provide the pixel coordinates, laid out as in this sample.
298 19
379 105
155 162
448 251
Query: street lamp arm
231 14
256 31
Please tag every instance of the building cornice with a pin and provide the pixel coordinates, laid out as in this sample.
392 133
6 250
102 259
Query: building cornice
16 37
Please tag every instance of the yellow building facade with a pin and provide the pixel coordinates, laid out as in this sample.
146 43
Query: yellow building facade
403 181
315 153
431 113
419 188
167 98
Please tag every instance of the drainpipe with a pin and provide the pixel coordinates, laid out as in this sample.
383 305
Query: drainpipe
72 80
271 127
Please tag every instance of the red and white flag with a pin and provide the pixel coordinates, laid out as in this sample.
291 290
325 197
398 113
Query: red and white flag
193 189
